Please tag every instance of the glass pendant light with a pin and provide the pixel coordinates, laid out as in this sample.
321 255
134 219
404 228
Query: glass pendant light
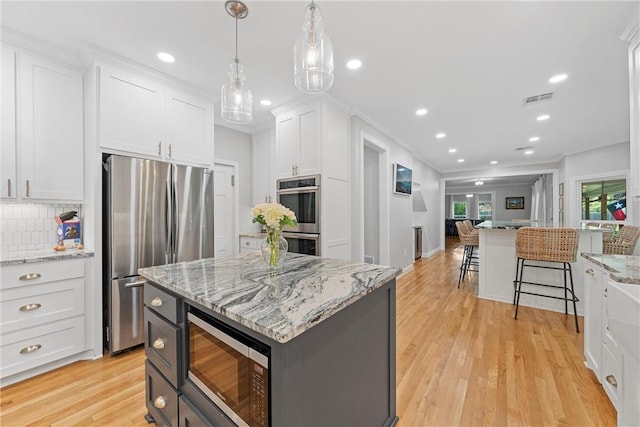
235 100
313 55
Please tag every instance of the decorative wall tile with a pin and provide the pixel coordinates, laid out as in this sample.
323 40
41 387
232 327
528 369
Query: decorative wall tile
29 226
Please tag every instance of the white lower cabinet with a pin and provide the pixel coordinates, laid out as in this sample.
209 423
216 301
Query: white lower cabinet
250 244
611 340
42 316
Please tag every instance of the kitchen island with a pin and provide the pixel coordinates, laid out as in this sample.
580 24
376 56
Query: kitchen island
329 327
498 264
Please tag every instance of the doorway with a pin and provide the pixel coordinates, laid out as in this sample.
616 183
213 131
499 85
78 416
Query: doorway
225 208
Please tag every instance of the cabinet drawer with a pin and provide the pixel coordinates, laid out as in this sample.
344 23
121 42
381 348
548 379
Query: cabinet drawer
611 374
161 302
161 398
190 416
250 243
28 348
27 306
40 272
161 345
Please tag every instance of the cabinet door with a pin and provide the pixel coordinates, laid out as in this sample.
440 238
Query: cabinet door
262 146
131 113
8 148
51 132
287 144
309 140
189 126
593 318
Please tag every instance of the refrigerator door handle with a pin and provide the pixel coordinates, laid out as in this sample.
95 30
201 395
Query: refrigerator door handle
176 223
168 218
135 284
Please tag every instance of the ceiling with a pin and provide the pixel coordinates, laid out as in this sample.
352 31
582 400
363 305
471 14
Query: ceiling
471 64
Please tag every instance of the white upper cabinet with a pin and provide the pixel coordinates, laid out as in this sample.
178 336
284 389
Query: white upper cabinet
131 112
189 127
41 117
298 142
139 116
8 177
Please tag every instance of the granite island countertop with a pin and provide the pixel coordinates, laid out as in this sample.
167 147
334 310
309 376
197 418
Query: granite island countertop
621 268
280 304
43 255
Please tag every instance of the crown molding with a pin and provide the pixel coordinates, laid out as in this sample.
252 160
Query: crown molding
40 47
632 29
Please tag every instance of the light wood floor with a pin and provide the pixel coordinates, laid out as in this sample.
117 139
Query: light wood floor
460 361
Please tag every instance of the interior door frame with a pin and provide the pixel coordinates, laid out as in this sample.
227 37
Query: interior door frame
236 200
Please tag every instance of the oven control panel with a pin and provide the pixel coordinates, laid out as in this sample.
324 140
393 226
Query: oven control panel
259 395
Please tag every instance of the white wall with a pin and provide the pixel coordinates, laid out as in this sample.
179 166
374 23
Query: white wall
500 212
601 162
429 180
235 145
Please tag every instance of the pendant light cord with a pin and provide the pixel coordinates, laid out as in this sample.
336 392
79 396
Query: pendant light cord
237 39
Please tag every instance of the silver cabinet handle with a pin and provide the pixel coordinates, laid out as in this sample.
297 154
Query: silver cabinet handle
158 344
30 307
156 302
169 150
612 380
30 349
159 148
265 199
590 272
159 402
27 188
30 276
9 187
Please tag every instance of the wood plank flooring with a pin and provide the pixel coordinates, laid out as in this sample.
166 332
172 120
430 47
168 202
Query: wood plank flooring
460 361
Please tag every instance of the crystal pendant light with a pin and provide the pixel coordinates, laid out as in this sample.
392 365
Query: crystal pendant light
313 55
235 99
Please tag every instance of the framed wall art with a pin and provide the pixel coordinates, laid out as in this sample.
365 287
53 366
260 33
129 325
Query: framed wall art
402 179
515 203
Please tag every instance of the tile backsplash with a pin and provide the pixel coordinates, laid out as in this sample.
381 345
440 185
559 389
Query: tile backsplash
29 226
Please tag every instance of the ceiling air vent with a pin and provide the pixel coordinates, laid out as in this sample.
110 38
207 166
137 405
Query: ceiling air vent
538 98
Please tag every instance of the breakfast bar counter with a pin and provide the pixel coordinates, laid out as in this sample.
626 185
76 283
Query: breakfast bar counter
328 327
498 264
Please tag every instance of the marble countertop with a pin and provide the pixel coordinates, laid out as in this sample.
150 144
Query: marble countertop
621 268
254 235
279 304
43 255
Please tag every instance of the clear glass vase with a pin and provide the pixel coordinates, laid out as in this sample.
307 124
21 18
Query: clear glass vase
274 248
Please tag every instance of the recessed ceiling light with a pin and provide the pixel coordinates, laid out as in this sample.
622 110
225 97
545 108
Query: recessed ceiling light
558 78
528 152
534 139
469 195
452 150
421 112
460 160
354 64
440 135
165 57
543 117
478 182
494 162
265 102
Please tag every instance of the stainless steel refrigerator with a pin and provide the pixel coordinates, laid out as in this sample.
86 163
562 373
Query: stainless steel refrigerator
154 213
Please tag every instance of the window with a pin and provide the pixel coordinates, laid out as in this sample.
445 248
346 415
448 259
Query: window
604 200
460 209
484 210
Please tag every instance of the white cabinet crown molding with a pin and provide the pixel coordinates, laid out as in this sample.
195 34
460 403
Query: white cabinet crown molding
305 101
36 46
632 29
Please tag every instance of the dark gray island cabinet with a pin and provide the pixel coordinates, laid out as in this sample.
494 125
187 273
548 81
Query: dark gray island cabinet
231 342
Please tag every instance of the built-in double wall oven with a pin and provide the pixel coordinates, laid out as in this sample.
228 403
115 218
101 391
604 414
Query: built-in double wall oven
301 194
230 368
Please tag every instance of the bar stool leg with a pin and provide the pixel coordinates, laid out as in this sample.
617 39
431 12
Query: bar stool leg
515 281
462 264
564 273
573 298
519 288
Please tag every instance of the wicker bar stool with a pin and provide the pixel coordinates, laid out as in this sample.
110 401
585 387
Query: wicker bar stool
555 245
470 241
624 243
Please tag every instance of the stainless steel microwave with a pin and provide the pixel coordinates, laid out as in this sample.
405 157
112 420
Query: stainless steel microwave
230 368
301 194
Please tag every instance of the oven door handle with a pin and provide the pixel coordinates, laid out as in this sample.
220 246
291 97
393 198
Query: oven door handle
300 236
231 342
298 190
